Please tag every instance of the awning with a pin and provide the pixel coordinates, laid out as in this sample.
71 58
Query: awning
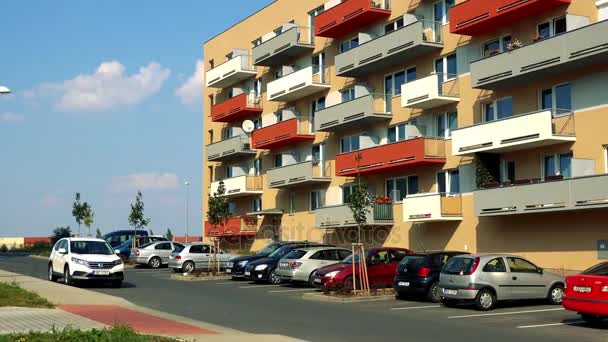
267 212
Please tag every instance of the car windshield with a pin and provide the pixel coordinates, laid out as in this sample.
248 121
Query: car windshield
146 245
90 247
281 252
349 259
600 269
269 249
458 266
295 254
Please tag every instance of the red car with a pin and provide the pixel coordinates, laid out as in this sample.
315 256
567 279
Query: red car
381 269
587 294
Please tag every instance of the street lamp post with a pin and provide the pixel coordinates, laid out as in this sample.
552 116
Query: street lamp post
187 184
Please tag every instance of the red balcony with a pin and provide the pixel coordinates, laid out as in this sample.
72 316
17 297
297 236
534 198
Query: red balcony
233 109
234 226
400 155
284 133
349 16
476 17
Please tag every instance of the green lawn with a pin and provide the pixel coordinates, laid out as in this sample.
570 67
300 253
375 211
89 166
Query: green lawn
116 334
14 295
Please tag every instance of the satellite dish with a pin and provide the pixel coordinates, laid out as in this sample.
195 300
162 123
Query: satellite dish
248 126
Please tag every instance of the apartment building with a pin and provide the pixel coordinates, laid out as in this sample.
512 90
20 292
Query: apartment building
476 125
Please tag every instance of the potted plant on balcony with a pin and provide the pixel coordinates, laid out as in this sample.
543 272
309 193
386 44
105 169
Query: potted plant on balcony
538 37
515 44
384 200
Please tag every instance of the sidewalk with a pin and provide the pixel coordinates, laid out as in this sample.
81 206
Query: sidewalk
85 309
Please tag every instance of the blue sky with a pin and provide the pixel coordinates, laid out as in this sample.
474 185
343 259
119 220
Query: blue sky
105 101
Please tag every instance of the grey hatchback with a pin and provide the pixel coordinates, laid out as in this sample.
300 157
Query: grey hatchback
488 278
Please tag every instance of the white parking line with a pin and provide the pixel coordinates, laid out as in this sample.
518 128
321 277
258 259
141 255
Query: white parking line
294 290
417 307
550 324
227 283
506 313
256 286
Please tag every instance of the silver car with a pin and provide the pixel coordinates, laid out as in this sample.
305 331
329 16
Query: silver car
488 278
197 256
154 254
300 264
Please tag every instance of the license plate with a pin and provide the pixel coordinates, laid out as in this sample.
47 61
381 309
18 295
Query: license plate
101 273
247 273
230 264
403 283
283 264
582 289
317 280
228 270
450 292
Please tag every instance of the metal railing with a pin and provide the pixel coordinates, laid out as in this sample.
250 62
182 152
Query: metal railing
304 34
321 168
382 211
448 84
562 122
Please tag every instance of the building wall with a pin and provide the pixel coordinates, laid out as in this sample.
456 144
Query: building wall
545 238
12 242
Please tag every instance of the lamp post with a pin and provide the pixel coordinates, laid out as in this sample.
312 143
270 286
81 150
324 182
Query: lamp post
187 184
4 90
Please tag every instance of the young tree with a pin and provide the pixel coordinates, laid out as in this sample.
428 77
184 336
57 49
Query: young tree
98 233
78 211
218 206
136 217
169 234
3 249
60 233
88 216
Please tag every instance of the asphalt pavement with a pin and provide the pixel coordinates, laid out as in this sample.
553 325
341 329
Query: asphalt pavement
270 309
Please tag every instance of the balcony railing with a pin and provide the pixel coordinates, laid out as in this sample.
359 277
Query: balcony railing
234 226
283 133
239 186
281 48
232 71
432 207
340 216
299 84
236 108
436 90
234 147
348 16
523 131
362 110
307 172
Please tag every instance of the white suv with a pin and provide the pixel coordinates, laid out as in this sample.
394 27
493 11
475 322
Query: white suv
85 259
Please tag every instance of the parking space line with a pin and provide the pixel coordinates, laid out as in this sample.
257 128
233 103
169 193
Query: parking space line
293 290
550 324
506 313
417 307
227 283
256 286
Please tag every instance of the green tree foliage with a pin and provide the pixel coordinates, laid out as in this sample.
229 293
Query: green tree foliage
359 200
88 217
217 211
81 211
60 233
3 248
169 234
98 233
136 217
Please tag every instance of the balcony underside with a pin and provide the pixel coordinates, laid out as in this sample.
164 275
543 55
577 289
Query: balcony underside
428 102
284 141
301 181
231 78
423 218
230 155
388 166
284 56
352 121
236 114
350 224
231 234
236 194
297 92
516 144
366 17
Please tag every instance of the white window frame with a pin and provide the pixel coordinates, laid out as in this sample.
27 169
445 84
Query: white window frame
504 169
394 23
448 181
254 205
257 88
292 203
556 163
446 122
501 44
349 40
444 14
606 158
552 25
317 194
315 12
495 103
444 63
407 184
553 96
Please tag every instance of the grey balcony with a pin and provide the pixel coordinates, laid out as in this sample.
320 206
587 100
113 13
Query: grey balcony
282 48
560 195
235 147
395 48
340 216
362 111
582 47
307 172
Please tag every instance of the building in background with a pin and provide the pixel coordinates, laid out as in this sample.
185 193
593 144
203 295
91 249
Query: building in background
479 124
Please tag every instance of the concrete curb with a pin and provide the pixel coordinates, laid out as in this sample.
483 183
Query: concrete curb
319 297
39 257
181 277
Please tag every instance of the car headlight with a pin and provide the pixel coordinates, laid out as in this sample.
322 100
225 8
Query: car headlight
332 274
80 262
117 262
261 267
243 263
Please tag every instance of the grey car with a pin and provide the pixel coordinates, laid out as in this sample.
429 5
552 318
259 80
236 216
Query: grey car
300 264
153 254
488 278
197 256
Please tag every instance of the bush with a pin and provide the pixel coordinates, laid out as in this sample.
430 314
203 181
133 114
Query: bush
122 334
3 248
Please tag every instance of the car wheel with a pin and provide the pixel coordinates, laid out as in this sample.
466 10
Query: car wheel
434 293
348 284
311 279
188 267
273 278
556 294
52 276
67 278
592 320
450 303
155 262
117 284
485 300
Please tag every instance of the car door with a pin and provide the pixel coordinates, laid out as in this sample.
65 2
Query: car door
494 273
55 257
163 250
323 258
526 280
378 267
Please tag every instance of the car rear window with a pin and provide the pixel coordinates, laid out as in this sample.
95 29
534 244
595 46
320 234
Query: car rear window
600 269
458 266
411 263
178 248
145 245
295 254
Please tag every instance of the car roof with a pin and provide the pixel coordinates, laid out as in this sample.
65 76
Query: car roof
319 248
84 239
440 252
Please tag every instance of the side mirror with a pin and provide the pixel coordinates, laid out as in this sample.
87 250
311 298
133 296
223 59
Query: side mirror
540 270
62 251
116 251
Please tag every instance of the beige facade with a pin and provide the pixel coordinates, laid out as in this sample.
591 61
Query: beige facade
554 239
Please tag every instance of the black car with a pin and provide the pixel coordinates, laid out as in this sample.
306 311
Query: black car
418 274
264 269
236 266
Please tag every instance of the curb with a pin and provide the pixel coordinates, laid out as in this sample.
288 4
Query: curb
319 297
38 257
195 278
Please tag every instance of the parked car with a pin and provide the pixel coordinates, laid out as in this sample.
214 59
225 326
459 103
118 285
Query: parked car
154 254
264 269
236 266
381 269
124 249
487 278
299 265
75 259
120 236
195 256
587 294
418 274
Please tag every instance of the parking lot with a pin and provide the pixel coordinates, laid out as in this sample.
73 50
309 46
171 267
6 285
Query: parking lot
280 309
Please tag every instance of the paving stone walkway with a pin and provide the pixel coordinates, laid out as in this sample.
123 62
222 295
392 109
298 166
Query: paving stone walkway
21 320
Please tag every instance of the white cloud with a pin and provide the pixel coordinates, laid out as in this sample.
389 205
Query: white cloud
11 117
51 201
107 87
145 181
191 91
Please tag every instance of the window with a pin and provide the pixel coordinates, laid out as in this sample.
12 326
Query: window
349 44
318 64
544 30
256 205
315 106
257 88
210 134
311 20
398 188
278 160
211 64
507 171
446 67
606 158
521 266
558 165
257 123
496 46
396 255
397 133
257 42
343 254
317 199
292 202
448 180
163 246
553 28
446 123
557 98
211 100
232 208
498 109
495 265
559 26
257 166
347 190
393 83
347 94
350 143
395 25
